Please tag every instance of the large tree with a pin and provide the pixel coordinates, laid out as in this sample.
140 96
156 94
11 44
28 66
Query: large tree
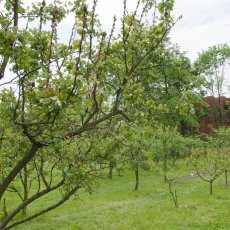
213 65
171 88
65 95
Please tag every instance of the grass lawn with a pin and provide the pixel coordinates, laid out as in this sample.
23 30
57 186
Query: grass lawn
116 206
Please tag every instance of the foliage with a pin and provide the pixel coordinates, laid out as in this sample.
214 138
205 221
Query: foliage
136 144
168 145
212 64
72 108
171 88
211 158
168 152
66 96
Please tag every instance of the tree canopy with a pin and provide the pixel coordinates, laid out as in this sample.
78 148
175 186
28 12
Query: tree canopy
66 95
75 104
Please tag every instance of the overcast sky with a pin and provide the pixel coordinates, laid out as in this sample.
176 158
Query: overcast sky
204 23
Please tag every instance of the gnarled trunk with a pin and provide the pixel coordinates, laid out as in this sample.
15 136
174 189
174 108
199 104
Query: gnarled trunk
17 169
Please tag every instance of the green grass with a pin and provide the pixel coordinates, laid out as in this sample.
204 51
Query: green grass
115 206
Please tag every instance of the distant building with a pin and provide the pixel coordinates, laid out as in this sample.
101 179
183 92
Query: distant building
218 114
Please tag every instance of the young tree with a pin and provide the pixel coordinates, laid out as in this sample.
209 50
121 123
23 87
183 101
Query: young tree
220 143
168 146
211 159
110 151
169 151
207 163
67 94
135 141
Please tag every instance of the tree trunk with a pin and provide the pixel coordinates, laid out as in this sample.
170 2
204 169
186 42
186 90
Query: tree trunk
17 169
25 189
19 208
110 174
165 170
226 177
136 177
174 194
165 166
210 183
119 172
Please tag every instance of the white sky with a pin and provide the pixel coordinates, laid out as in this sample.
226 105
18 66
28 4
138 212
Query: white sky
204 23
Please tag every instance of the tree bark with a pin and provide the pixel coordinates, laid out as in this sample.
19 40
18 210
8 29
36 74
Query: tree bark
226 177
50 208
136 177
210 188
17 169
110 174
25 188
174 194
36 196
165 168
6 58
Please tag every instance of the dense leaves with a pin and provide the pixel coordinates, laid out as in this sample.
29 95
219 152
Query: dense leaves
79 101
66 95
